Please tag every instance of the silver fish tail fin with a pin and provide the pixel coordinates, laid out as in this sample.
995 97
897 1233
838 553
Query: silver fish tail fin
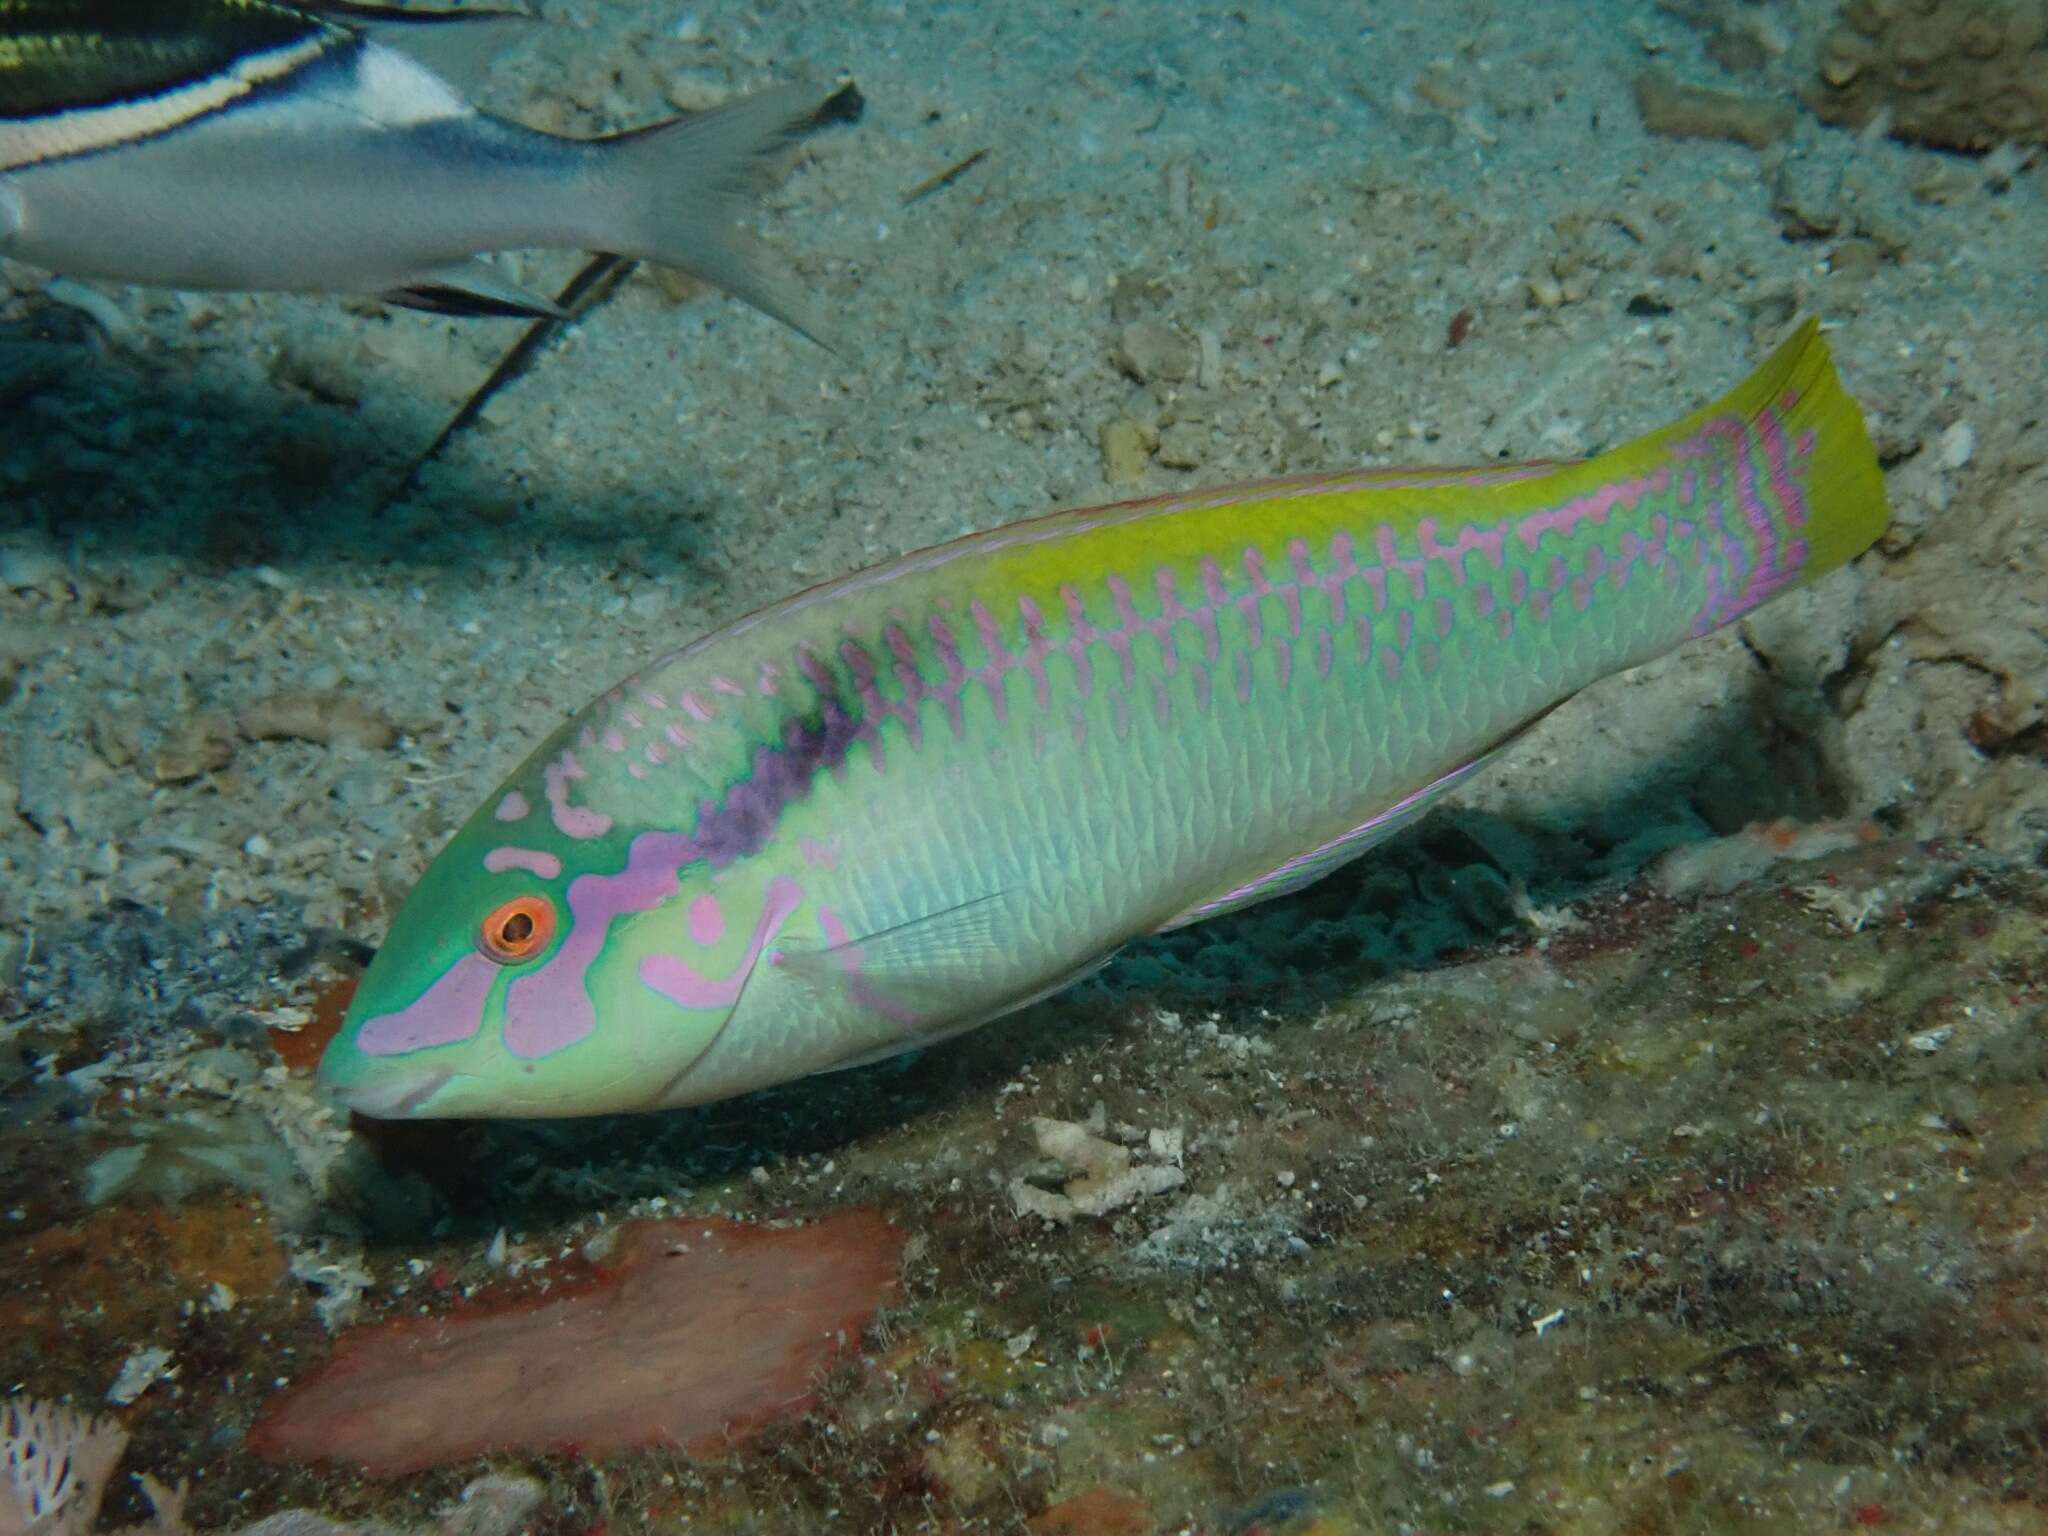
676 190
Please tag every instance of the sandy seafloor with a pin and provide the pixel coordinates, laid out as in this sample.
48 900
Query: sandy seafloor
1534 1176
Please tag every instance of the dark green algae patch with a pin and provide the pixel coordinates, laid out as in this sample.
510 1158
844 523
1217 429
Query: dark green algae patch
1659 1215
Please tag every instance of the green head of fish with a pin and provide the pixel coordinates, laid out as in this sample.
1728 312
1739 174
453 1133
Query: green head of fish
550 962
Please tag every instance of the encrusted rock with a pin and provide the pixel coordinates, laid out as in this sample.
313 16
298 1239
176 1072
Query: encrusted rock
1957 74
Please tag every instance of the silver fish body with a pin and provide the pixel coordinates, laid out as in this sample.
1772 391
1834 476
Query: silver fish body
343 164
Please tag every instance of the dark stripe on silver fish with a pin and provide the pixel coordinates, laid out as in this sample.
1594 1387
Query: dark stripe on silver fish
83 75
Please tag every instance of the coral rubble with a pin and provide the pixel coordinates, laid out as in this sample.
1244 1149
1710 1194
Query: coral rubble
1956 74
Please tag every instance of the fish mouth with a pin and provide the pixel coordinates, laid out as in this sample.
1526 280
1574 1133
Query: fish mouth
399 1095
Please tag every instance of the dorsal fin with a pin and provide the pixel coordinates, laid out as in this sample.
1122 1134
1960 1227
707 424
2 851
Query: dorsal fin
83 75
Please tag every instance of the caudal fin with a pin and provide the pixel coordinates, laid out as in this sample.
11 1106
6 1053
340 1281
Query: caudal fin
1816 474
676 190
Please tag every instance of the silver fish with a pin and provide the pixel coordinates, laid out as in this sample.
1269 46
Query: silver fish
257 146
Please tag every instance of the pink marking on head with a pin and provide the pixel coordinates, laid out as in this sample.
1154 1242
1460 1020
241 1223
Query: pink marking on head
652 699
1363 626
725 685
613 740
1390 663
636 769
767 679
634 722
1326 652
1504 623
1518 586
1283 660
1212 582
678 736
575 821
706 920
1242 666
532 860
1483 601
1444 617
695 707
1404 629
655 753
550 1009
674 978
450 1010
514 807
1200 672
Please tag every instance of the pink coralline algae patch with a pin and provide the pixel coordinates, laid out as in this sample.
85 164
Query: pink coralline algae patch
694 1334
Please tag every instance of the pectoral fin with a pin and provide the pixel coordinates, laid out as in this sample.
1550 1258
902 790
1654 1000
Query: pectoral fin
473 290
931 976
916 967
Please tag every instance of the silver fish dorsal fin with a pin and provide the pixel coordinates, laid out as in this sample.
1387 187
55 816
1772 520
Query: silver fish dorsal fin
78 76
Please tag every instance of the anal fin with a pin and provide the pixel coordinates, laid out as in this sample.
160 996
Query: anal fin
473 290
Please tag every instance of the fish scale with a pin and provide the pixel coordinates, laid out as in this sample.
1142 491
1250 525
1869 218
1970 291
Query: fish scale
905 802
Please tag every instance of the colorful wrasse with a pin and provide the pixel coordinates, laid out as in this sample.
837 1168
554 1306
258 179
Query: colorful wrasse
323 147
900 804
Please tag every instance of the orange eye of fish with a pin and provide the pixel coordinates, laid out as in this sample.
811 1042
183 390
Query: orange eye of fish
518 930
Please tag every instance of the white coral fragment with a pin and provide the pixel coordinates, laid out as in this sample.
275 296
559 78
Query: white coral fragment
54 1466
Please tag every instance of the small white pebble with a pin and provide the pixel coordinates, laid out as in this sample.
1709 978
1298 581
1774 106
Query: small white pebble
1958 445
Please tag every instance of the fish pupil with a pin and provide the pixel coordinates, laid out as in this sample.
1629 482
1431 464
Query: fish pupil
517 929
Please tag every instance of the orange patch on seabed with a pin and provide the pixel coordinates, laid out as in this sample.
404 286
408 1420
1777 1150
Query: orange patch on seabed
300 1049
695 1334
129 1264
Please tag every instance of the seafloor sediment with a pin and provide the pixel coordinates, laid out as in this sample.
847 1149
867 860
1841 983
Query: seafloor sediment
1583 1162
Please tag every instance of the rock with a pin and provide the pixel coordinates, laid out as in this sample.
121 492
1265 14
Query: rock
332 718
1676 111
194 747
697 1333
1955 74
1808 198
1102 1176
498 1504
1125 451
1181 445
1151 350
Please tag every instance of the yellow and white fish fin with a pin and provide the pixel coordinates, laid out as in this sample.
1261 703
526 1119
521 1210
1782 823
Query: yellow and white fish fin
474 290
458 45
677 189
